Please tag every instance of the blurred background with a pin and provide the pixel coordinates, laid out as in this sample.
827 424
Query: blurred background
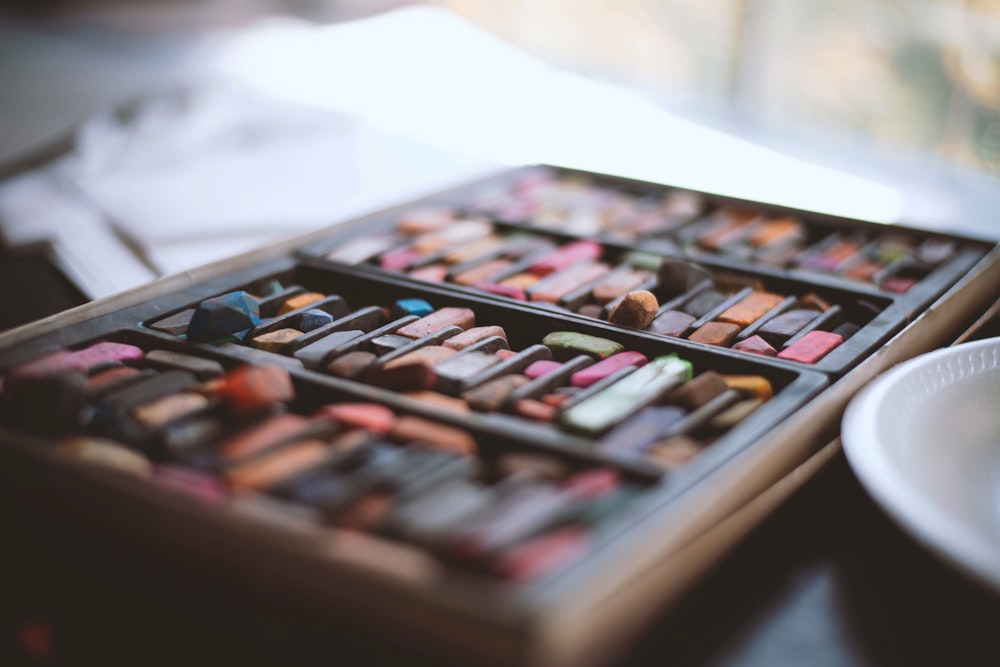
919 79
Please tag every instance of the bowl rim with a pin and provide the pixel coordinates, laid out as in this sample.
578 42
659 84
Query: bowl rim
950 537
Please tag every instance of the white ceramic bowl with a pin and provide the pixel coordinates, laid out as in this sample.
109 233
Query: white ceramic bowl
924 438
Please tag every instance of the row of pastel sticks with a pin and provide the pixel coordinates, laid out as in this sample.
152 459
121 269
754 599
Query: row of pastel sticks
234 439
580 384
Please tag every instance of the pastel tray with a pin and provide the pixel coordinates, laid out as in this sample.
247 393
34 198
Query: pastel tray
305 426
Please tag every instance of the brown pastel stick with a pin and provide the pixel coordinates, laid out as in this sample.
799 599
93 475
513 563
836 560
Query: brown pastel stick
473 336
438 400
671 323
352 365
168 408
490 396
715 333
636 310
620 281
274 468
698 391
430 355
373 417
555 286
439 319
275 341
277 429
409 429
750 309
484 273
673 452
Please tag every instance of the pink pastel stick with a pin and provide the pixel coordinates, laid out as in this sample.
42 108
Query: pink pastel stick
566 256
605 367
812 347
541 367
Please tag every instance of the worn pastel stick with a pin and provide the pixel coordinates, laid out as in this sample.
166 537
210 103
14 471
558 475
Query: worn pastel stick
673 452
734 414
521 281
194 484
105 453
362 249
365 319
567 344
175 324
683 278
606 367
275 341
426 517
776 231
510 292
417 307
627 396
750 386
478 249
198 366
300 301
701 416
554 286
323 312
781 328
514 364
402 374
399 259
150 389
715 333
463 318
671 323
535 410
425 219
812 347
410 429
535 558
373 417
248 389
755 345
750 309
274 468
432 273
452 235
721 307
545 382
223 315
491 396
163 410
389 343
704 302
482 273
474 335
826 320
619 282
538 466
252 355
313 356
788 303
454 372
75 361
437 400
358 344
541 367
269 305
634 310
565 256
698 391
114 377
649 425
428 354
271 432
392 347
